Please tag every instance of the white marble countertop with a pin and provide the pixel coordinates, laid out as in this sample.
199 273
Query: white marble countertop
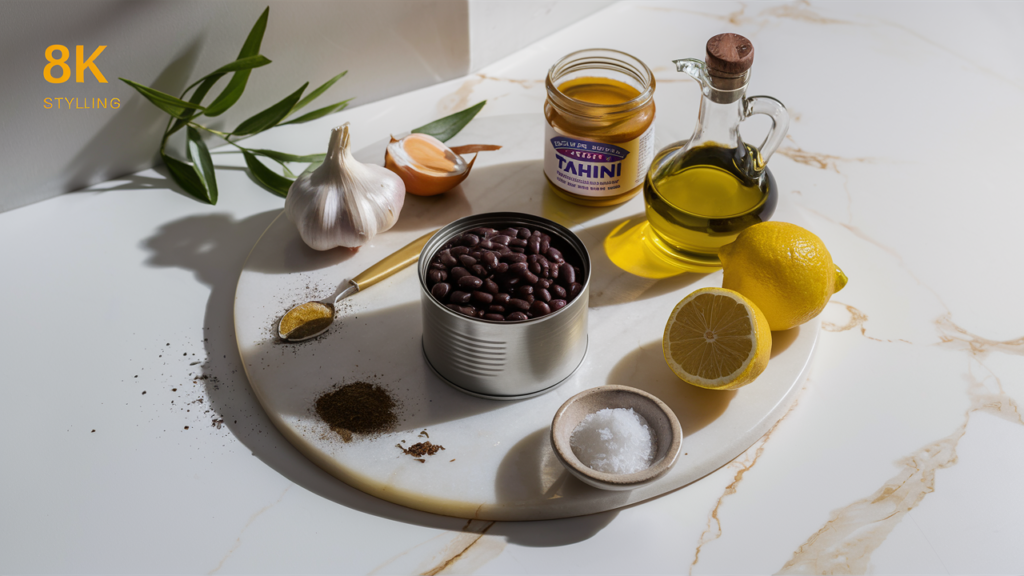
131 441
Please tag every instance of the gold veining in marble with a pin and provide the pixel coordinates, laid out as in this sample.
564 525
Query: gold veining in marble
953 336
899 259
816 159
957 55
799 10
238 541
463 95
846 541
459 100
527 84
742 464
736 18
473 537
857 320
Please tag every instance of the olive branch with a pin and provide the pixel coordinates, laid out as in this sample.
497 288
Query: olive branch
198 178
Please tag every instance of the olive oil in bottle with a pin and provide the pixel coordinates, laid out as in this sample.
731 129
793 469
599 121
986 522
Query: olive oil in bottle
703 200
701 193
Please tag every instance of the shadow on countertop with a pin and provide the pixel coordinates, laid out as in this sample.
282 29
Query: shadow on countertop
214 248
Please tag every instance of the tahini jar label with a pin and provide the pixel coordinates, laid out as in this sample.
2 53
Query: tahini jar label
597 169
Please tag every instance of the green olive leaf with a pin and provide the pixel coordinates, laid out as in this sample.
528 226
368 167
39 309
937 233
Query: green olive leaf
210 79
266 177
319 113
247 63
283 157
316 93
199 154
233 91
271 116
449 126
187 177
174 106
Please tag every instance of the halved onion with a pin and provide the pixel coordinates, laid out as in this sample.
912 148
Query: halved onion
427 166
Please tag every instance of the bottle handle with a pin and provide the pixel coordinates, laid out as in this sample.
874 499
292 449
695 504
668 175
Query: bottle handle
780 122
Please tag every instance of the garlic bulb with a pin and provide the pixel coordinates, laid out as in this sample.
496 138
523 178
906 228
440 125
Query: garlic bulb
343 202
427 166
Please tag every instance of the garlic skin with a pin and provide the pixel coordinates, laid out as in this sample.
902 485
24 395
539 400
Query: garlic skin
343 202
426 165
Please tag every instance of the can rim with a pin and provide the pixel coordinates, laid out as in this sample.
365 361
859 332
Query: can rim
502 218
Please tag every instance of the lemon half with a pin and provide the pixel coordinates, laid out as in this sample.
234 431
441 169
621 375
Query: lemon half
717 338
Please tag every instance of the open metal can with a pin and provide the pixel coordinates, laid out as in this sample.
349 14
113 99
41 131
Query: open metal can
504 360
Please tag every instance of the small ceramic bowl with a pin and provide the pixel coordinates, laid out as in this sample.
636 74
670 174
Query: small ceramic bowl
660 418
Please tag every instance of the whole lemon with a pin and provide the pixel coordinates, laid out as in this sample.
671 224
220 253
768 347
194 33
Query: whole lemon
784 269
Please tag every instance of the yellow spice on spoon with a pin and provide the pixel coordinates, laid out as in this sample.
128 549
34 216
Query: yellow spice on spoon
305 319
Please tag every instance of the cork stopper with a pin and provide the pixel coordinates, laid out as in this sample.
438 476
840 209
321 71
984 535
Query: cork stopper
729 58
729 55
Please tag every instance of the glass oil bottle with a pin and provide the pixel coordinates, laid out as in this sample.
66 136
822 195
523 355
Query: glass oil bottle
702 192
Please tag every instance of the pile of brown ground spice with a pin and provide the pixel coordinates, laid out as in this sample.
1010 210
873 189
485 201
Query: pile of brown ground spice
359 408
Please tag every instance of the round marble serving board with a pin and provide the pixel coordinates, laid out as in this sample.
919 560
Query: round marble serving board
497 463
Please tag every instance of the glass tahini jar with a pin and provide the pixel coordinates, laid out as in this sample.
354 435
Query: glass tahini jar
599 139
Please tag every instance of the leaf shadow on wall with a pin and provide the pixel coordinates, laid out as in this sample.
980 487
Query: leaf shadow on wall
137 122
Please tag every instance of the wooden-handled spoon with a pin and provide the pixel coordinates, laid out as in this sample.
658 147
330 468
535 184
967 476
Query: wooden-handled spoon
311 319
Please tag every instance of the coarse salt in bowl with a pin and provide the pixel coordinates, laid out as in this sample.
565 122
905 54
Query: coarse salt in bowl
614 440
629 437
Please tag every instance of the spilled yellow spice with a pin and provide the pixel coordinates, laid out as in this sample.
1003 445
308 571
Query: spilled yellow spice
306 320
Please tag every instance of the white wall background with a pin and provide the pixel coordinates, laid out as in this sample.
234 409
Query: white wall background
387 46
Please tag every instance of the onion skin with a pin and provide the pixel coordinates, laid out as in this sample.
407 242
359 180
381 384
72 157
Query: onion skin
419 184
471 148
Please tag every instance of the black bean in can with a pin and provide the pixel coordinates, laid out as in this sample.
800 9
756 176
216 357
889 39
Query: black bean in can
504 298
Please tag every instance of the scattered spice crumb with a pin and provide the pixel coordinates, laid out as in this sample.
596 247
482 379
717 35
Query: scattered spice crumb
421 460
143 391
93 430
186 427
452 460
421 449
424 433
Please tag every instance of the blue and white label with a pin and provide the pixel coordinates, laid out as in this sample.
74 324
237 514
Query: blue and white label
597 169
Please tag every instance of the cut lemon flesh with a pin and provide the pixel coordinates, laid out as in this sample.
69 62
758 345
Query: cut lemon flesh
717 338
